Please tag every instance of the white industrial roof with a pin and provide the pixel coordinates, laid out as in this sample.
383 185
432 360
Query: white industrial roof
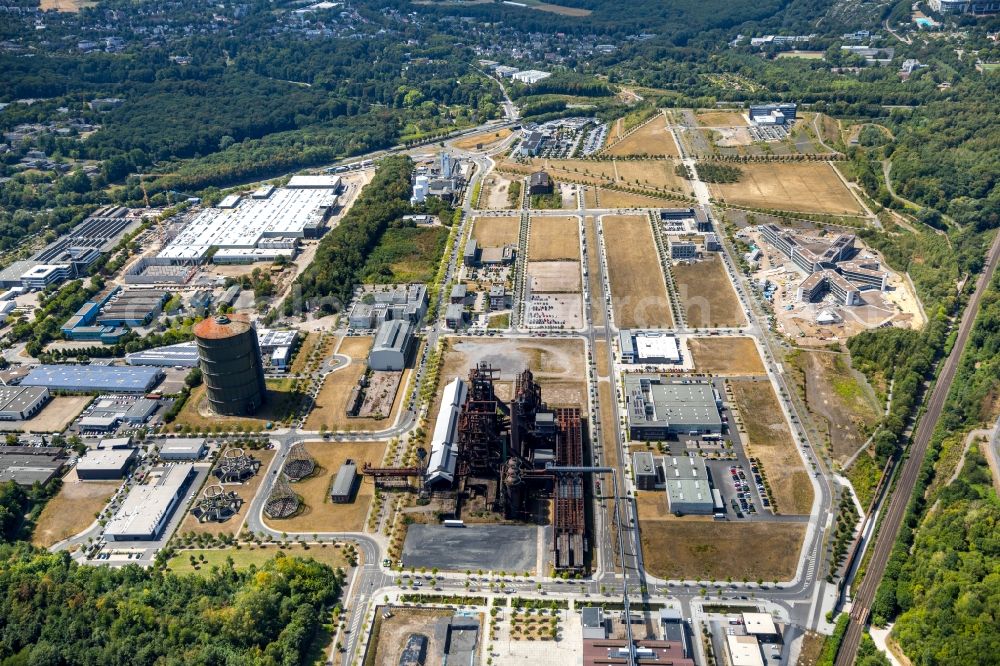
145 507
441 465
98 459
332 182
744 651
656 345
759 623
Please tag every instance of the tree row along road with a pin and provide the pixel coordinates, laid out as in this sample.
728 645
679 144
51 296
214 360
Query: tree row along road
900 499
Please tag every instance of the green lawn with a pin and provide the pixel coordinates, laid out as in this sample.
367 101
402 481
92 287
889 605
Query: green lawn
245 556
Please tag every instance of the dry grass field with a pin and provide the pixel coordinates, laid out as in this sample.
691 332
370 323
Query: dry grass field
650 174
577 12
721 119
495 194
73 509
320 514
699 548
72 6
247 555
768 438
594 276
733 356
245 490
805 187
840 396
602 197
309 345
554 276
330 410
707 295
638 291
197 415
56 416
554 238
481 141
601 358
496 231
653 138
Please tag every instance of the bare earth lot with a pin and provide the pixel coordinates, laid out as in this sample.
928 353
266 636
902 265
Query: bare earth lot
695 547
394 632
496 231
245 490
54 417
495 194
319 513
484 139
554 238
555 276
653 138
769 439
730 356
638 291
806 187
72 510
707 295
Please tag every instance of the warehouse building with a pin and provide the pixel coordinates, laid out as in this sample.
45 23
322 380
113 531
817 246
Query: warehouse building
147 509
743 651
268 225
185 354
135 307
183 448
343 485
393 346
687 484
106 464
639 347
28 465
444 453
20 403
94 378
108 411
659 408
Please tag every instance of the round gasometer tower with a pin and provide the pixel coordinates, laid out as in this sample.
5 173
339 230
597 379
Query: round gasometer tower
231 367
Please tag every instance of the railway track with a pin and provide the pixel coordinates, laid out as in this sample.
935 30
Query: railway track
900 498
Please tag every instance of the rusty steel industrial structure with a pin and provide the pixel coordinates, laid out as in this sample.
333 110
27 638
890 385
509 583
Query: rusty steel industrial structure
231 367
515 444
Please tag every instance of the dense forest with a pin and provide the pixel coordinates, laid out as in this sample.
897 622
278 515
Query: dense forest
329 280
55 612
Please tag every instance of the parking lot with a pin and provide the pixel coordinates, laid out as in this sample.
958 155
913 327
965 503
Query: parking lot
487 547
768 132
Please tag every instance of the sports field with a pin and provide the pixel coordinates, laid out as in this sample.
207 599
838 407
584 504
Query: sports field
319 514
653 138
731 356
496 231
707 295
699 548
802 187
554 238
638 291
768 438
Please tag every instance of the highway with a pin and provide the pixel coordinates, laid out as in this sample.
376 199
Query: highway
900 497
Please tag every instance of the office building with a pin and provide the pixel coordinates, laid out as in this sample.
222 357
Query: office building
644 469
682 249
639 347
658 407
389 302
687 485
773 114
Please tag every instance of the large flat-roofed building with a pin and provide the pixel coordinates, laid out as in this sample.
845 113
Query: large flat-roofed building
649 347
28 465
613 651
702 222
687 484
821 282
444 454
106 464
184 448
297 211
392 347
773 114
382 303
19 403
147 509
94 378
761 625
106 412
659 408
185 354
42 275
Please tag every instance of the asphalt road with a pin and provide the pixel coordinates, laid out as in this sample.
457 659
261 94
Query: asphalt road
900 498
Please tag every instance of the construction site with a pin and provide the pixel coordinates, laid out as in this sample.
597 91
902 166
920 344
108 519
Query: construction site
489 456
